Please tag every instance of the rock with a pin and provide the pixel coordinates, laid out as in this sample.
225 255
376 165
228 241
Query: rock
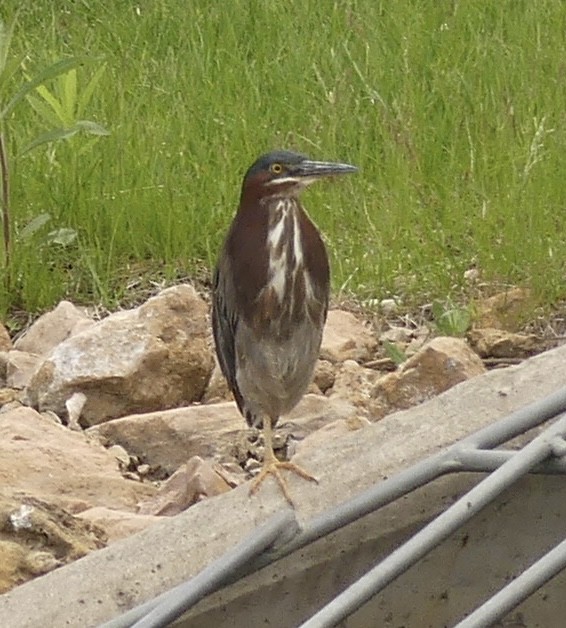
217 389
324 375
438 366
168 438
74 406
142 469
155 356
65 468
136 570
472 275
51 416
406 340
420 336
312 414
498 343
5 341
354 383
332 431
397 335
313 389
20 367
51 328
121 455
346 338
36 537
388 306
395 344
8 395
253 466
231 472
3 367
117 524
505 310
192 482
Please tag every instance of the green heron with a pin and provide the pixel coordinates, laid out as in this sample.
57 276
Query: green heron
270 297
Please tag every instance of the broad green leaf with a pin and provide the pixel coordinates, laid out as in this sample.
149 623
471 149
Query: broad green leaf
92 128
394 353
450 319
63 133
457 321
33 225
63 236
86 94
52 101
68 83
437 310
52 71
50 136
43 110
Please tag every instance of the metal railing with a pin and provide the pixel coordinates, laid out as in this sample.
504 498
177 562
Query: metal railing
282 535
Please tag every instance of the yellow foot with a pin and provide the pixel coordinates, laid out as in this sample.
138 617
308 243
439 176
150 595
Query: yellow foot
274 467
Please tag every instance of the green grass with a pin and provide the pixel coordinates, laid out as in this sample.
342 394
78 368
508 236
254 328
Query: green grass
455 113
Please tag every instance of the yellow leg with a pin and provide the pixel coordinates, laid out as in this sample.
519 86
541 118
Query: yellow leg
272 466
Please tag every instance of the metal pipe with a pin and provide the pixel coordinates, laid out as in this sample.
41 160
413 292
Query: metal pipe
437 530
518 590
519 421
169 606
424 471
487 460
462 456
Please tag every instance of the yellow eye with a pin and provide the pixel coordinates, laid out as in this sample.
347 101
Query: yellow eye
276 168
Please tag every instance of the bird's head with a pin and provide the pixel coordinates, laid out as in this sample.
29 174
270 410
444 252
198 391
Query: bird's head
284 173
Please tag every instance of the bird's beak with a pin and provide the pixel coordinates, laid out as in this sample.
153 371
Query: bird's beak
312 170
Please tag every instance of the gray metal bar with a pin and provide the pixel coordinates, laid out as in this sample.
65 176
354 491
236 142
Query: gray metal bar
487 460
435 532
462 456
448 461
379 495
518 590
518 422
171 605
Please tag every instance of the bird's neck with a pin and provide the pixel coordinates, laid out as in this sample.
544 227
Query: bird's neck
284 243
279 251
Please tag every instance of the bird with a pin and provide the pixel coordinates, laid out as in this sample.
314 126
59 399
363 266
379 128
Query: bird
270 297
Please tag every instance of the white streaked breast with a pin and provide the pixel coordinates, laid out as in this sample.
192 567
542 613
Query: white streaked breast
297 244
278 253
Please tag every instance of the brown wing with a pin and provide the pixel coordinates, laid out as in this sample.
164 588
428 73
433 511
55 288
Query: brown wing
224 329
